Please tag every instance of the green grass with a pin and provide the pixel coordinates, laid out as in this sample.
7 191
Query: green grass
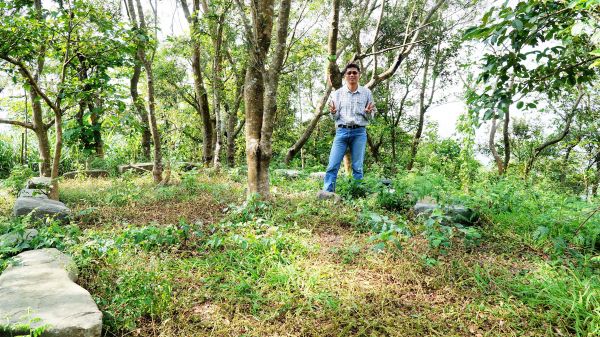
302 267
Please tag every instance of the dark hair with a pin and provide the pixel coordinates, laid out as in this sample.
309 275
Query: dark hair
351 65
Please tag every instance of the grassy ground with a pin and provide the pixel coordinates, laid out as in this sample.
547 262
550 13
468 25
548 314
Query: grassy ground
192 259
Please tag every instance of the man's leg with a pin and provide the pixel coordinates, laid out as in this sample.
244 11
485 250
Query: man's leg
338 148
358 142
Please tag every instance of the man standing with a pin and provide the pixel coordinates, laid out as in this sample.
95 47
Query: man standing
351 108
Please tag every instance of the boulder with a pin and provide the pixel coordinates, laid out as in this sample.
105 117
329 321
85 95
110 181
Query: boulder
39 183
13 239
40 208
456 213
317 175
33 193
39 290
139 167
324 195
287 173
87 174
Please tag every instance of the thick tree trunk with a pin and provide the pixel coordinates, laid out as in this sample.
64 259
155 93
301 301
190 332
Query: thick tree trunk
258 174
260 93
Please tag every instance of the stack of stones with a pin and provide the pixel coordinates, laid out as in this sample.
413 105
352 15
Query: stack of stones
34 199
38 290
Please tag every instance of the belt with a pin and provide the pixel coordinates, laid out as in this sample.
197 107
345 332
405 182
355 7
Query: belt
350 126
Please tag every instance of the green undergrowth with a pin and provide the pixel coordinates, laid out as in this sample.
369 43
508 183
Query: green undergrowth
366 266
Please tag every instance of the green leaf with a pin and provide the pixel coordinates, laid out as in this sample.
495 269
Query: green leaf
520 105
518 24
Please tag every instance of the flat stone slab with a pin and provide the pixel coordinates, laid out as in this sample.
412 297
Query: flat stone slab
40 208
138 167
39 183
40 290
324 195
33 193
287 173
86 173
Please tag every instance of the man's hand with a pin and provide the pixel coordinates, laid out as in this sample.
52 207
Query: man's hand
369 108
332 108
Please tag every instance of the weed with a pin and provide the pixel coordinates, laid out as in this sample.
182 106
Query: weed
17 178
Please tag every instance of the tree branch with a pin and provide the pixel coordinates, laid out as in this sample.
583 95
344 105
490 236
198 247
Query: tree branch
18 123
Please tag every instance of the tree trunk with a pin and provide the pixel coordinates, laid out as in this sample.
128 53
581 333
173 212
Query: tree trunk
334 81
258 181
143 59
157 168
292 151
538 150
141 110
506 138
232 120
422 108
57 153
41 132
492 145
217 90
597 184
260 93
202 99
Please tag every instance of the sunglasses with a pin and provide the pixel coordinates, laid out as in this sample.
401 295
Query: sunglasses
352 73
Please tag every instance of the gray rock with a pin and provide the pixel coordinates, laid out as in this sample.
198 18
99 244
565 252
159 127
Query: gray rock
424 208
33 193
41 183
139 167
40 208
324 195
13 239
457 213
287 173
40 291
188 166
317 175
87 174
386 182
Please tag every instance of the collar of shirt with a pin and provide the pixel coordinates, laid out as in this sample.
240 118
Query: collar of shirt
358 89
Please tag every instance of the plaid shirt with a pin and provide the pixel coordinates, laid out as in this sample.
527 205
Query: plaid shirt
350 106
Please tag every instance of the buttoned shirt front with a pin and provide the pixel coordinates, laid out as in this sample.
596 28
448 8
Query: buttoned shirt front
350 106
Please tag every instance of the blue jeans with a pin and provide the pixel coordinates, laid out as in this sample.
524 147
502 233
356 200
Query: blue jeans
356 139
